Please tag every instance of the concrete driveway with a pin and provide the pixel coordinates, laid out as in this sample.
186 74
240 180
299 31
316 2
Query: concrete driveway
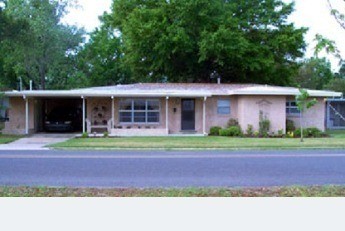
37 141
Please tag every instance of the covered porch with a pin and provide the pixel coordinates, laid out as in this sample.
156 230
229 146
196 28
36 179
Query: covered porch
145 115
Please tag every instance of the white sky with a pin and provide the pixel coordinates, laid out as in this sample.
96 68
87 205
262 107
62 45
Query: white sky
314 14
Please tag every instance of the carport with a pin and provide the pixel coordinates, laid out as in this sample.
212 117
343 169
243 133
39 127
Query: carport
48 107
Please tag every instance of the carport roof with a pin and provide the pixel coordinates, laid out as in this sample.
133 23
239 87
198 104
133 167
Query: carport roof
172 90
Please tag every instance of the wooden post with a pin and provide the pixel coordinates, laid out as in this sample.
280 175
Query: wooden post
84 130
167 114
204 116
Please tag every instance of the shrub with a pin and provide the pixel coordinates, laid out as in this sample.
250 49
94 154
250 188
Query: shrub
280 132
85 135
232 122
311 132
290 126
264 125
214 131
249 131
105 134
231 131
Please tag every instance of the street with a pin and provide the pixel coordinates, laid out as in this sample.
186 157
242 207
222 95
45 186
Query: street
152 169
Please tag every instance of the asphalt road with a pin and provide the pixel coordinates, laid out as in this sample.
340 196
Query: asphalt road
171 168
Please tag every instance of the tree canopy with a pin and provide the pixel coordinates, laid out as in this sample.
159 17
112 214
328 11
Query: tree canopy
41 51
243 41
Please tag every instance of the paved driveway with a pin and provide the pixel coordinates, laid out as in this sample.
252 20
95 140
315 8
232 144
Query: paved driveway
172 168
36 141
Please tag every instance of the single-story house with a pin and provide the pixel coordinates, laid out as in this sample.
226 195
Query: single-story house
158 109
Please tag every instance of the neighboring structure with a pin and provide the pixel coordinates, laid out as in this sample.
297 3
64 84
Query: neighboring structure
336 113
166 108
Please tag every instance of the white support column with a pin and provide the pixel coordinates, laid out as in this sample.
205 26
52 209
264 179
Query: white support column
84 113
26 115
204 116
167 114
112 112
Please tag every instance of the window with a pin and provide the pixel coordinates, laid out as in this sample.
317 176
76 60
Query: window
291 108
139 111
223 107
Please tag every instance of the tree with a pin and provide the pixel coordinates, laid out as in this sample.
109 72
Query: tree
100 60
243 41
303 103
41 52
338 82
315 73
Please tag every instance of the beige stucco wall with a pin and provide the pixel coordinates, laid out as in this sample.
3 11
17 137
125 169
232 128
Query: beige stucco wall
104 108
215 119
312 117
273 107
16 114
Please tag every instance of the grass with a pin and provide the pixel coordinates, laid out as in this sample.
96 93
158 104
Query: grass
336 133
200 143
295 191
5 139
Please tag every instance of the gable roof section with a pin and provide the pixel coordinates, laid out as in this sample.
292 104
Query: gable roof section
173 90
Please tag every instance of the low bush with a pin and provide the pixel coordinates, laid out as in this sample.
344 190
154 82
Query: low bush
249 131
264 125
231 131
311 132
232 122
106 134
85 135
214 131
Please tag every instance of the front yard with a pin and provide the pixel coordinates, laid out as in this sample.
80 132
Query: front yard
210 142
326 191
5 139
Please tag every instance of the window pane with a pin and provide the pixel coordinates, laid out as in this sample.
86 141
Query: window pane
126 104
223 103
153 117
223 110
139 104
153 105
125 117
294 110
293 104
139 117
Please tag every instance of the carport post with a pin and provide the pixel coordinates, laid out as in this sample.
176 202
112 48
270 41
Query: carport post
167 114
26 115
112 112
83 114
204 115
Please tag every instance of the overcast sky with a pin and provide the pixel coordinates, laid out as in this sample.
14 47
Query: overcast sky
314 14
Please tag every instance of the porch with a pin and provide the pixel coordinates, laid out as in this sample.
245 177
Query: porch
145 116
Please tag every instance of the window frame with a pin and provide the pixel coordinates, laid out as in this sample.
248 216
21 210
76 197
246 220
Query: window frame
218 107
288 107
146 111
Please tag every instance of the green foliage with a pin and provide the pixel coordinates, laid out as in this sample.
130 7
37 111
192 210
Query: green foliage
290 126
44 48
338 83
280 132
244 41
303 103
100 62
315 73
232 122
311 132
249 130
214 131
264 125
231 131
106 134
85 135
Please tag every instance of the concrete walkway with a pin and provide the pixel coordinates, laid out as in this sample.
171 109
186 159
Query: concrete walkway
36 141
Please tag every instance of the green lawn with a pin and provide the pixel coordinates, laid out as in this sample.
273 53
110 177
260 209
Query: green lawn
5 139
326 191
336 133
199 143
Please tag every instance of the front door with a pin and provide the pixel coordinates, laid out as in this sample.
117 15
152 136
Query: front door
188 115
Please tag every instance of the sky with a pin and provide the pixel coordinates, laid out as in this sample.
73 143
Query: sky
314 14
